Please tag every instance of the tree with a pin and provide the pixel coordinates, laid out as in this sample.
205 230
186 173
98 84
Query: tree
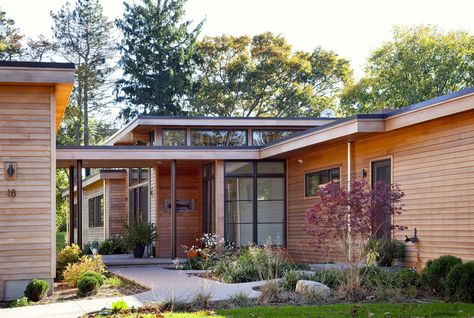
10 38
262 76
84 36
420 63
157 50
39 49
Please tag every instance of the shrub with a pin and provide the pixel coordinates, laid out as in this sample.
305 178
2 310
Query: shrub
36 289
202 300
87 285
374 278
407 278
385 251
20 302
74 271
270 292
114 281
118 306
140 234
115 245
97 276
435 273
460 283
68 255
289 280
240 300
332 278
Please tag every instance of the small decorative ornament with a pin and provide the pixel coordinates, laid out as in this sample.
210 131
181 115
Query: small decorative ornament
10 170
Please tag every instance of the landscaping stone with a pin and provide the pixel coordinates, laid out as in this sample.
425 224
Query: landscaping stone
304 286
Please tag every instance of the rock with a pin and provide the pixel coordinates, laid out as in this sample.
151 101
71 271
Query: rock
304 286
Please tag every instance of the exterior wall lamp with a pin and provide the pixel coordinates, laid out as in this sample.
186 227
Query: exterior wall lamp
10 170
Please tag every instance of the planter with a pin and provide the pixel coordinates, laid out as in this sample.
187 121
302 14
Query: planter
138 251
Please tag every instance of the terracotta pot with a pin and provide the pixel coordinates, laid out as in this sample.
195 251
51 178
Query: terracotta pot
192 254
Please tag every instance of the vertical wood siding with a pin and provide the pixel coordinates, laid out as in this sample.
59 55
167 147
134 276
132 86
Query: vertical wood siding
26 221
118 206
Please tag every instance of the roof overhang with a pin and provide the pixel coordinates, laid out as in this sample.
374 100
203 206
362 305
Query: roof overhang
57 75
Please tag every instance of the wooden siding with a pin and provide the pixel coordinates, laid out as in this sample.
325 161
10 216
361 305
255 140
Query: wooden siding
433 164
118 206
91 234
27 220
189 224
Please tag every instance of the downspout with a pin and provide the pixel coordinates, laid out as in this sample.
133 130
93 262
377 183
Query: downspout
349 179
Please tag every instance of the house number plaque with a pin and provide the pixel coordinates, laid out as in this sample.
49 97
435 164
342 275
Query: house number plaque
11 193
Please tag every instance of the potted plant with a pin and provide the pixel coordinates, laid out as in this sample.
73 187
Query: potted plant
139 236
94 247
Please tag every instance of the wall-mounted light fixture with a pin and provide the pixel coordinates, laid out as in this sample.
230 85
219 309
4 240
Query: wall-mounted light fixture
300 161
10 170
412 239
364 173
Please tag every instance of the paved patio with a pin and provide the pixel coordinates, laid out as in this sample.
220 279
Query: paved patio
165 284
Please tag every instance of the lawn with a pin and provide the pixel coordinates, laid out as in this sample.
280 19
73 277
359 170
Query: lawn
60 241
378 310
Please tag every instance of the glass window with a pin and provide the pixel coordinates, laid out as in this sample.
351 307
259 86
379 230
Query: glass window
262 137
215 137
152 138
270 167
381 223
96 211
174 137
133 176
316 179
239 167
144 175
382 171
255 202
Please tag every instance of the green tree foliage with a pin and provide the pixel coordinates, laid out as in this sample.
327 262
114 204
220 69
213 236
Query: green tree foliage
156 57
84 36
262 76
10 38
420 63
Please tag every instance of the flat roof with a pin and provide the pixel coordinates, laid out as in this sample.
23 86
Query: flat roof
37 64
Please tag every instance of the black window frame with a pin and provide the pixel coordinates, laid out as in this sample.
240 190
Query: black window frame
254 175
185 141
329 171
382 232
96 211
244 130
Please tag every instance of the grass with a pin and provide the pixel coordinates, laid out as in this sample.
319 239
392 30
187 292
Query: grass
365 310
60 241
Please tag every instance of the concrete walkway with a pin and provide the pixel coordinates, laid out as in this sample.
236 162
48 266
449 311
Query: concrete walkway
164 284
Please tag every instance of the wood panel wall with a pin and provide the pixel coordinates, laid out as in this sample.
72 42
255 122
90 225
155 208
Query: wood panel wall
189 224
433 164
117 192
91 234
27 221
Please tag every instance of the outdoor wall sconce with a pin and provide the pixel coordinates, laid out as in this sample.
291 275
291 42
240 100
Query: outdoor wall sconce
300 161
364 173
10 170
412 239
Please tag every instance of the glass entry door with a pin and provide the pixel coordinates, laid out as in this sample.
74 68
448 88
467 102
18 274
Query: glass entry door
138 196
208 199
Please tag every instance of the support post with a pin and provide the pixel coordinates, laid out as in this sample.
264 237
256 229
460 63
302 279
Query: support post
173 209
79 203
71 205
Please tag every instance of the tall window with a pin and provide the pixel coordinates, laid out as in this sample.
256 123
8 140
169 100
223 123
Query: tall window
219 137
96 211
174 137
255 202
315 179
138 195
381 171
208 199
264 136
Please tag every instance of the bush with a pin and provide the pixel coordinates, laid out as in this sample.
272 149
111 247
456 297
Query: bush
74 271
460 283
36 289
114 281
270 292
202 300
253 263
68 255
118 306
435 273
115 245
96 275
374 278
20 302
332 278
240 300
289 280
407 278
384 251
87 285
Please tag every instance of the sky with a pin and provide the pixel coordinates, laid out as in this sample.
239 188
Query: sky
350 28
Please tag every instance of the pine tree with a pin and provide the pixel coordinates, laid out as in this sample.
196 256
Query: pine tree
157 51
10 38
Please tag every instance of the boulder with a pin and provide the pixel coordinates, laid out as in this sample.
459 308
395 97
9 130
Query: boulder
305 286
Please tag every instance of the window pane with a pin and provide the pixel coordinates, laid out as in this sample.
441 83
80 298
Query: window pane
230 138
270 167
270 234
143 175
102 210
270 211
316 179
133 177
270 189
174 137
239 212
381 171
240 234
262 137
236 167
143 217
239 189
